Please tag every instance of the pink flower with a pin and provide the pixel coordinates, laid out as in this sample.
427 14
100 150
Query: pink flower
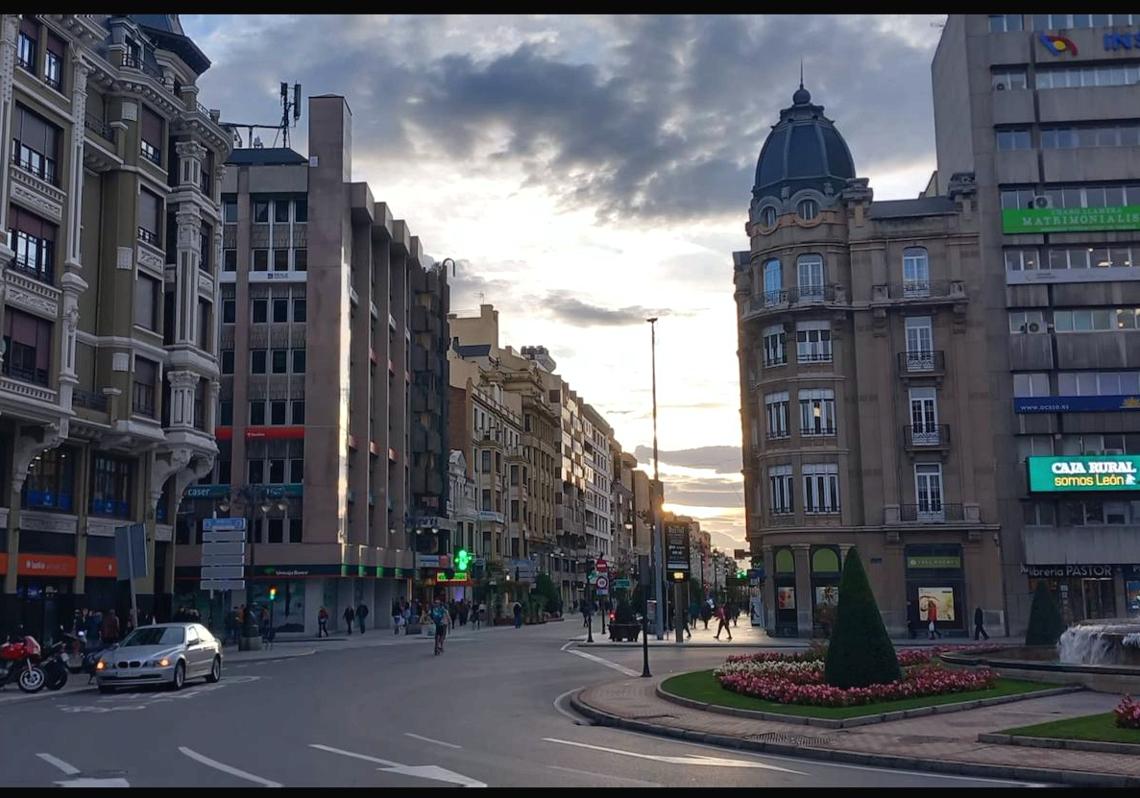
1128 713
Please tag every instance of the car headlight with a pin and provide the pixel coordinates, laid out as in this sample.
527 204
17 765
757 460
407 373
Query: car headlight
164 662
100 665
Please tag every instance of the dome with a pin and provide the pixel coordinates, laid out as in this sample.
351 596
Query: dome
804 150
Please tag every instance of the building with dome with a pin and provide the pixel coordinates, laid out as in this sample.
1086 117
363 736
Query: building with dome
864 407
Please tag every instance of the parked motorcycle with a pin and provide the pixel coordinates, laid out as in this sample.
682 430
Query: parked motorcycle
55 665
19 663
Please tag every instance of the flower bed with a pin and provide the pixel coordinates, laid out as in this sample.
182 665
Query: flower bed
1128 714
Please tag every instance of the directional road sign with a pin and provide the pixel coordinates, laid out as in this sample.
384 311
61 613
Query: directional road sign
219 524
223 584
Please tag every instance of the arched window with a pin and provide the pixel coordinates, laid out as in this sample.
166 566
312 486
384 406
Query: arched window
809 276
916 272
785 563
824 561
773 281
768 216
807 209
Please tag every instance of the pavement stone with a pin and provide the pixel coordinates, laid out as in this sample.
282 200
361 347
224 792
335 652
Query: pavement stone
942 742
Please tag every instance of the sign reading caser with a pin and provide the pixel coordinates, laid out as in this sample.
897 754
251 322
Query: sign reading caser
1084 473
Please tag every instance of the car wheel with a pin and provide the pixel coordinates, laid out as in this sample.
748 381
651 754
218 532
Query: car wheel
215 674
179 676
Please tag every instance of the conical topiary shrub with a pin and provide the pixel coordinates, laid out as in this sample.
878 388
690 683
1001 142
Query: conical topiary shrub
860 652
1045 624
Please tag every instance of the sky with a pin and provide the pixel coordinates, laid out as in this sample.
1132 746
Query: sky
587 172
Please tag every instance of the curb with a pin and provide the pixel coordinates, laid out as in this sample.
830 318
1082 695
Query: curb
1098 746
45 693
256 660
865 720
1067 777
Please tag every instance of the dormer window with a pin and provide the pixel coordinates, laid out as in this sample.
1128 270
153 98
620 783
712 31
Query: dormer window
768 217
807 209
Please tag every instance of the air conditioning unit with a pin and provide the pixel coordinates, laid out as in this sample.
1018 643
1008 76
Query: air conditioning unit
1034 327
1000 87
1041 201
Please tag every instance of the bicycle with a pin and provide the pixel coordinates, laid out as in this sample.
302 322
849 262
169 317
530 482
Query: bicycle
440 633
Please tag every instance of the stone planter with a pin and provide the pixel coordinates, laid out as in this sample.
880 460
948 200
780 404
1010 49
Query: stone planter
625 631
249 643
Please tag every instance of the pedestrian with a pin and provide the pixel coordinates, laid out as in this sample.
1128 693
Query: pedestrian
228 624
685 620
349 616
264 626
464 609
979 629
911 622
722 622
322 623
586 613
452 614
396 616
480 611
706 614
110 630
518 615
932 618
361 614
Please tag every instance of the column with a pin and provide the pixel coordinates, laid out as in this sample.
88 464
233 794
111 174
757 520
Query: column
73 285
804 621
182 387
189 223
769 589
11 24
75 193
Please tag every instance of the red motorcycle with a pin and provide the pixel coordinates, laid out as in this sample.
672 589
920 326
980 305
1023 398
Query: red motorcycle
19 663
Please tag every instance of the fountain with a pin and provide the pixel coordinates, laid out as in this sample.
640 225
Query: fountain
1103 642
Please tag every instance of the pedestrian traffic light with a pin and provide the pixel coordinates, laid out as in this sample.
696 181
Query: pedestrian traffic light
462 559
273 593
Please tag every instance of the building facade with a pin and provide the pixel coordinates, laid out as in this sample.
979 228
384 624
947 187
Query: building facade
864 408
1042 109
109 179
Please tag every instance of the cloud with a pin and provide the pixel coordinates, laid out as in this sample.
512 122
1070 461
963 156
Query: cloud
565 306
721 459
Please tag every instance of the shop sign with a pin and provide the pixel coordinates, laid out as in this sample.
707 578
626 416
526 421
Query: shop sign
677 548
941 597
1076 404
1084 473
1064 220
101 567
1121 41
1064 571
207 491
460 578
950 561
433 560
45 565
1057 44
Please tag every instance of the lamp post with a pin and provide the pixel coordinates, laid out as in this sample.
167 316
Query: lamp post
658 565
252 497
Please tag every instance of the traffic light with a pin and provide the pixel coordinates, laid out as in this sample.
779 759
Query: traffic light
273 593
462 559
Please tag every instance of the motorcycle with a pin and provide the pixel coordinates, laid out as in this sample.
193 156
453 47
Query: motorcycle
55 665
19 663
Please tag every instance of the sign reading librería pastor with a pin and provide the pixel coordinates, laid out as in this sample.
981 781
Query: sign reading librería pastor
1084 473
1061 220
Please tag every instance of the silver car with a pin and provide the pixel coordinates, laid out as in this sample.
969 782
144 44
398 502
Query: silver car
167 653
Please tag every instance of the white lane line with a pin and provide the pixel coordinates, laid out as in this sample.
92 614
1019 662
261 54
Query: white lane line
566 713
606 776
430 740
606 662
712 761
385 762
568 644
241 774
59 763
431 772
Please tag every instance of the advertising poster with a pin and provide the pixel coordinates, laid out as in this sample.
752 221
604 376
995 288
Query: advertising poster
786 598
942 597
827 594
1132 598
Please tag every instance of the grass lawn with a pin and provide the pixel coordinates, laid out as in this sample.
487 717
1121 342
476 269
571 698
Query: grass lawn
703 686
1087 727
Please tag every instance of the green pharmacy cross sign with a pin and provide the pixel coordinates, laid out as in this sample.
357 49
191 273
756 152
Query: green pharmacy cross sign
1101 472
1066 220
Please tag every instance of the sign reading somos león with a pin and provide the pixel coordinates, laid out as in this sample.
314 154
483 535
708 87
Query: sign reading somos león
1084 473
1060 220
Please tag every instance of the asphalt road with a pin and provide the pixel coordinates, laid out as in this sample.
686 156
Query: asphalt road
491 711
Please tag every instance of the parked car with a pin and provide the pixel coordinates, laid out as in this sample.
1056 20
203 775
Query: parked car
167 653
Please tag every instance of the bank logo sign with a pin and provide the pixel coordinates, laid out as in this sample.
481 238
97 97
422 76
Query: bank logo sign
1062 220
1084 473
1058 45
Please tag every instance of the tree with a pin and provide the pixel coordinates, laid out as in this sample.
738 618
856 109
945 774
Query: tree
544 586
860 652
1045 624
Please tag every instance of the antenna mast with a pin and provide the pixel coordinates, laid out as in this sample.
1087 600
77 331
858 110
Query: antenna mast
290 114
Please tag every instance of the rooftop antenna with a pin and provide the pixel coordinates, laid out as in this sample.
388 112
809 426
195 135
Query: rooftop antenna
290 114
801 73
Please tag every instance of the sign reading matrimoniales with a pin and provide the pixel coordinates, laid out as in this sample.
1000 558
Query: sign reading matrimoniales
1084 473
1064 220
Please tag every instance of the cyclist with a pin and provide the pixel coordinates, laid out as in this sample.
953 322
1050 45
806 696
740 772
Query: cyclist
440 618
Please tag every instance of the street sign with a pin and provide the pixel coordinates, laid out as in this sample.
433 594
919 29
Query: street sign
602 566
210 560
222 572
622 583
219 524
237 548
602 584
224 536
677 549
592 577
130 551
223 584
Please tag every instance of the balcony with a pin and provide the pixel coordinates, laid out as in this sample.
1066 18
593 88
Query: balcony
922 363
932 513
781 519
89 399
920 292
99 126
771 301
817 431
933 437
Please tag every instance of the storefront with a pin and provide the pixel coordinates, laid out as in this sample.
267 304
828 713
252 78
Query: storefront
934 576
1085 592
44 593
824 588
784 582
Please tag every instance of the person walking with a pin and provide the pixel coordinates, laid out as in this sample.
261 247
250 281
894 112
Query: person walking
979 629
110 630
361 614
397 615
722 622
480 614
349 617
587 611
518 615
932 619
685 619
439 616
706 613
322 622
453 614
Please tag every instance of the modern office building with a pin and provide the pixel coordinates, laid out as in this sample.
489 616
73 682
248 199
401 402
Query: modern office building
865 410
1044 110
109 180
333 395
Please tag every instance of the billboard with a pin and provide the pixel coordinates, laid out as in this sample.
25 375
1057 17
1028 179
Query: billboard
1100 472
1076 404
677 548
1070 220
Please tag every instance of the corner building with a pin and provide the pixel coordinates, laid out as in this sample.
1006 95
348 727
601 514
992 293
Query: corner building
864 404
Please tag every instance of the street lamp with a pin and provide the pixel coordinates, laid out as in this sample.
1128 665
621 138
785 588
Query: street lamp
659 567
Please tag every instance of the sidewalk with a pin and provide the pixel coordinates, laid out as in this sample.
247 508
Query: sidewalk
941 743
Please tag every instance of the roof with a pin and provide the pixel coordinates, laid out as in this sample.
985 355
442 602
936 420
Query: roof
265 156
923 206
166 31
804 150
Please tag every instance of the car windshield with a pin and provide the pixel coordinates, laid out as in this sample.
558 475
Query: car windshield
156 636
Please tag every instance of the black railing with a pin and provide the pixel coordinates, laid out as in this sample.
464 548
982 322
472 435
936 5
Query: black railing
814 356
931 436
932 512
148 236
778 435
33 375
100 126
919 289
804 295
921 361
817 430
142 399
89 399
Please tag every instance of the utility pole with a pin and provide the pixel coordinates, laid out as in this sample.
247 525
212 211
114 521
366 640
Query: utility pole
658 555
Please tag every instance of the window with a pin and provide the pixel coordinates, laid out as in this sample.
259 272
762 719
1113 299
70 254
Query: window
1118 134
50 484
1098 383
205 246
280 361
280 310
34 242
260 212
229 260
299 310
229 311
780 488
26 44
1013 139
297 469
817 411
1005 23
257 412
35 144
53 63
1096 320
280 260
277 412
1018 260
261 260
768 216
256 470
281 211
110 486
809 270
772 282
807 209
916 272
1039 514
225 413
776 412
1066 76
143 386
1026 321
257 361
146 302
301 260
1031 385
1013 78
301 209
924 416
298 361
919 344
485 455
205 324
298 411
813 342
229 211
928 491
150 216
821 488
774 354
150 133
486 499
260 311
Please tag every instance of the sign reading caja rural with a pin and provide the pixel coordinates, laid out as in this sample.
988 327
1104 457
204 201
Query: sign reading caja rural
1062 220
1084 473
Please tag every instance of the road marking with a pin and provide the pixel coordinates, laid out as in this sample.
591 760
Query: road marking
568 644
90 782
433 772
606 662
567 713
365 757
430 740
606 776
713 761
59 763
213 763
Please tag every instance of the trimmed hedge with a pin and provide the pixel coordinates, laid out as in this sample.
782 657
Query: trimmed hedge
1045 624
860 652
